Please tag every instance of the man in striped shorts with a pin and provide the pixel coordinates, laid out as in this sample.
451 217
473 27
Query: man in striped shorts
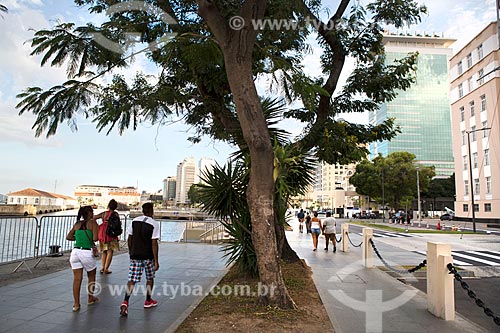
143 234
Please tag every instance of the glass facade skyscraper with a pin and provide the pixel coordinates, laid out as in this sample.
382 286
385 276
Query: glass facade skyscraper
422 111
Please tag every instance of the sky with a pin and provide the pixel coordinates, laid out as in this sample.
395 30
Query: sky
148 155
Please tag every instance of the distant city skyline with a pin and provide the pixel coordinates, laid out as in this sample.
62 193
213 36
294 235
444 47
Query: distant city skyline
145 157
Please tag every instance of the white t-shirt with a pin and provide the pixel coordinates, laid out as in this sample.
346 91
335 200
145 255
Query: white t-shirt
330 225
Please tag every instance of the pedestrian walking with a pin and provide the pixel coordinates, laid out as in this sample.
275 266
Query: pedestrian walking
143 234
308 223
329 230
316 228
300 217
84 234
107 244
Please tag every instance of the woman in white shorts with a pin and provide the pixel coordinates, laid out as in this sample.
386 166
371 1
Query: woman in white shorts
316 228
84 233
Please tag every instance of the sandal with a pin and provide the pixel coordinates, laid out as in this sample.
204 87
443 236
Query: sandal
102 271
93 301
108 272
76 308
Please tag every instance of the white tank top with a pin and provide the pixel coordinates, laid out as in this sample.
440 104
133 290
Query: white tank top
315 224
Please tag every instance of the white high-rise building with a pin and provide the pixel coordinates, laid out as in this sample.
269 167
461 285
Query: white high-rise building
186 176
205 165
332 189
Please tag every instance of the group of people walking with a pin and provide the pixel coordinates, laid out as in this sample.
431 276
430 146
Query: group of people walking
315 226
142 240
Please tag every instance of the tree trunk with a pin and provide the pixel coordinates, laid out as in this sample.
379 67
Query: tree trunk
237 47
285 251
260 191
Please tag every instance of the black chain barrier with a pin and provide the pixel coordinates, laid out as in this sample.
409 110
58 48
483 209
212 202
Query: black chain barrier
472 294
399 271
338 239
349 238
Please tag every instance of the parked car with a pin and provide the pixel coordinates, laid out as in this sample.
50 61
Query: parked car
446 217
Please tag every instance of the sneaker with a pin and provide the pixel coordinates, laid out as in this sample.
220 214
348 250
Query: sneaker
124 309
150 303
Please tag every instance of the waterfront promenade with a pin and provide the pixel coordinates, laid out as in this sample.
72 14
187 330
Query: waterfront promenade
44 304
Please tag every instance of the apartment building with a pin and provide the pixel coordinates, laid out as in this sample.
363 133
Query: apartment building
474 93
332 189
186 176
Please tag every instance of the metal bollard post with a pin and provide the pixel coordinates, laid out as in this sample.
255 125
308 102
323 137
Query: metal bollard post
367 247
345 242
440 288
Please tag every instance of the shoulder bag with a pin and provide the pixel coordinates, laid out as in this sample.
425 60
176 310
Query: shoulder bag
95 252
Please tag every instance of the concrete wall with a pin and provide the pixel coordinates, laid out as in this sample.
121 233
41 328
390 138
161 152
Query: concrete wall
30 209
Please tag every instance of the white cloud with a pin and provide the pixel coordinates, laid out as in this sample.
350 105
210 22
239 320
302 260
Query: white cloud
14 128
19 70
461 20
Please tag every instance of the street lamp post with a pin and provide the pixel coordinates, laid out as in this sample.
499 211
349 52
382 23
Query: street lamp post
383 198
418 198
470 175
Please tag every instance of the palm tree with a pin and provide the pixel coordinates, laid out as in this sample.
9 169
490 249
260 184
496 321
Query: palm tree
292 176
222 193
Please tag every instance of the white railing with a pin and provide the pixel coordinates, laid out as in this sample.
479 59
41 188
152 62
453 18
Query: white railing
215 233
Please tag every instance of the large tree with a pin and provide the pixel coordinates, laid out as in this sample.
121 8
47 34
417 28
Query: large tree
207 76
395 176
441 187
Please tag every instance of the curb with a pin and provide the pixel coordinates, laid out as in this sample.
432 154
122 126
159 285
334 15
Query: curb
193 306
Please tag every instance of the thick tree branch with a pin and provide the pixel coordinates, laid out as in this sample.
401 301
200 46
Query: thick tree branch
222 115
339 55
208 10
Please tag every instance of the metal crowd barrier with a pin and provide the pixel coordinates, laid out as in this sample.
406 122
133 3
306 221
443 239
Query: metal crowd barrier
53 231
124 218
27 237
19 237
23 238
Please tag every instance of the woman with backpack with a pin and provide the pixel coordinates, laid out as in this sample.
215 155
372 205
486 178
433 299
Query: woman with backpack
107 242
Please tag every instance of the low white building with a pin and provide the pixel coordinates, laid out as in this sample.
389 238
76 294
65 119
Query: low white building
34 197
100 195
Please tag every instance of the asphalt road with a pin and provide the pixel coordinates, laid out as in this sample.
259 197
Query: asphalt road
481 228
479 253
486 289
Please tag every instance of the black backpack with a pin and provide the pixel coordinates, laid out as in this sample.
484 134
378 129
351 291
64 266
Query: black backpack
114 225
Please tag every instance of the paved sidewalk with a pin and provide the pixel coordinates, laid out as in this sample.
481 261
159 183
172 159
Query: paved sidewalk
45 303
344 284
